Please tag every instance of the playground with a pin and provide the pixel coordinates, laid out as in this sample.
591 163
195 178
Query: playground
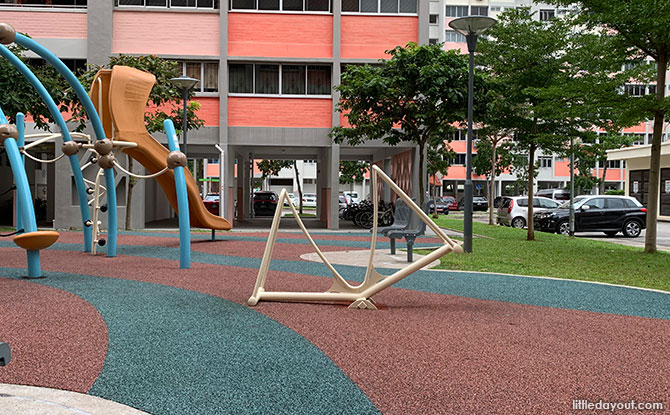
137 330
249 323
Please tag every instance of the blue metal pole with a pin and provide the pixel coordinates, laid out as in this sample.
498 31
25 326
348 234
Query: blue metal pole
74 160
24 202
97 128
21 142
182 201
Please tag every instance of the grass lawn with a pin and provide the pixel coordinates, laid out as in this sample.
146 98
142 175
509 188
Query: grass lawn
506 250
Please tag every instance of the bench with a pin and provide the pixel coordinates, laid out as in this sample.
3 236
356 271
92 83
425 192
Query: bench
400 219
415 228
5 354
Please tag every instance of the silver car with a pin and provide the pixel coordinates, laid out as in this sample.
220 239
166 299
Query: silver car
513 211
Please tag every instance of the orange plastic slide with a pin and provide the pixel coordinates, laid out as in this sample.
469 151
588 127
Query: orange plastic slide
123 93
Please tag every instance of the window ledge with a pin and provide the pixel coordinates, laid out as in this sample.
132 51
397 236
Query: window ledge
281 12
164 9
206 94
237 94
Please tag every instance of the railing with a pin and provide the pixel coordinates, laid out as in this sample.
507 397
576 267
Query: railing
82 4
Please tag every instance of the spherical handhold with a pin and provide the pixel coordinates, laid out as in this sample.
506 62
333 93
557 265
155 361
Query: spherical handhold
102 242
7 33
90 191
88 223
8 130
106 162
70 148
103 146
176 159
103 208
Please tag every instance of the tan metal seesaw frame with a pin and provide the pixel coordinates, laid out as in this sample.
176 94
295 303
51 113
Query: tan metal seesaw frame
341 291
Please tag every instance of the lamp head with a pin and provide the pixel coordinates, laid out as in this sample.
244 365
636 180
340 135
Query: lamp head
184 82
472 25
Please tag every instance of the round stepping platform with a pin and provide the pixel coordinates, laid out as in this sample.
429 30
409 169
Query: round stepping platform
34 241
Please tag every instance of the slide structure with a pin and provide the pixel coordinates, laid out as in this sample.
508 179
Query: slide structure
120 95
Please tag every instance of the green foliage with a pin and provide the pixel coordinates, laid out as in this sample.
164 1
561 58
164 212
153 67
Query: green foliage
414 97
273 167
20 96
352 171
165 100
615 192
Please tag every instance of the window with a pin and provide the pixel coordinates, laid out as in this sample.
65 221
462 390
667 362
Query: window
456 11
206 72
459 159
613 164
456 135
52 3
495 8
522 202
634 90
432 41
453 36
614 203
380 6
651 90
479 10
282 5
75 65
279 79
202 4
432 19
546 15
545 162
596 203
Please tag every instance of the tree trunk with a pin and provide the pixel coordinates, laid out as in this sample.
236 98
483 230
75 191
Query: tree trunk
433 191
655 162
297 180
492 180
129 198
531 171
602 184
421 174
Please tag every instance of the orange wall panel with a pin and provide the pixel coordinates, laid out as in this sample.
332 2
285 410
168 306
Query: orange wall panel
279 112
562 168
459 146
160 33
209 110
280 35
47 24
367 37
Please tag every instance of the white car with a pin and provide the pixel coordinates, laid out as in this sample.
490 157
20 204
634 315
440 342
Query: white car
293 198
513 211
308 200
352 197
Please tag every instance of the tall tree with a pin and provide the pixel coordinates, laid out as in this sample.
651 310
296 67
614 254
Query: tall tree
165 101
352 171
414 96
558 83
642 26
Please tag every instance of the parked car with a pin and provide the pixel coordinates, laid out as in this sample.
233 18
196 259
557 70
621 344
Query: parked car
211 202
513 211
442 204
556 194
608 214
342 202
496 202
293 198
352 197
265 203
478 203
308 200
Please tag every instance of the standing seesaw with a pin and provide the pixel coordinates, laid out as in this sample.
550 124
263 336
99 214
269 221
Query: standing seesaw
359 296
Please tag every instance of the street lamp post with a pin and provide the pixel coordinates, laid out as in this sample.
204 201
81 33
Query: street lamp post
185 84
471 27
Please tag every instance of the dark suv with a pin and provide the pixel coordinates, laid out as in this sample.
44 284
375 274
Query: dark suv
609 214
265 203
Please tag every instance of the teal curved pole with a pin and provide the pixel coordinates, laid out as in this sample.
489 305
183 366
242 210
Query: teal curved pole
99 130
74 160
21 142
182 201
24 200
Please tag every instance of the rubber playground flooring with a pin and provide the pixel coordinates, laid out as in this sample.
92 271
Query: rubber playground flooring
137 330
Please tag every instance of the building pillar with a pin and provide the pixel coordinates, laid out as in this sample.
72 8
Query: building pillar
100 31
386 190
332 170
